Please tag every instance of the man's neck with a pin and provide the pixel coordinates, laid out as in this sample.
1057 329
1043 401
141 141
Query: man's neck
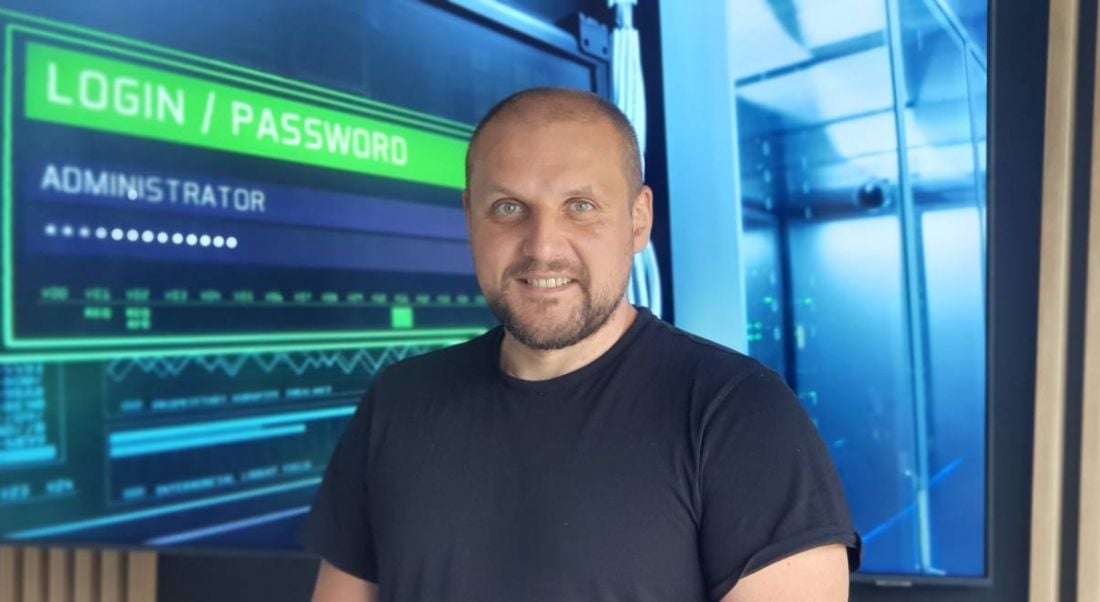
520 361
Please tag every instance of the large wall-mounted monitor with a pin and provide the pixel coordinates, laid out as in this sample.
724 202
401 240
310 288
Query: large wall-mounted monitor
859 267
866 198
219 221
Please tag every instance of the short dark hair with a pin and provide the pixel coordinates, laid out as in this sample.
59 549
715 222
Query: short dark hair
566 104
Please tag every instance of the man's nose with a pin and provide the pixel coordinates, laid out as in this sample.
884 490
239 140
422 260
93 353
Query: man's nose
545 236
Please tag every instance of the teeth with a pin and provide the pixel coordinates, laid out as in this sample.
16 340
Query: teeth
548 282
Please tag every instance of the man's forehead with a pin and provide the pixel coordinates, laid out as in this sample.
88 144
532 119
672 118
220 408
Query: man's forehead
520 141
516 165
524 124
553 132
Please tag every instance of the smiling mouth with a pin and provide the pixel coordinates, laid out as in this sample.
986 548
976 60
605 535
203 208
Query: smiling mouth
547 283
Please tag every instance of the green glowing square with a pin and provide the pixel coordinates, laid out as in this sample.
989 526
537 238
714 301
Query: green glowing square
401 317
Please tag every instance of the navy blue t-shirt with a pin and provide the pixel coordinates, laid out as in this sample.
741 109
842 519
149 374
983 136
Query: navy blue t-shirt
665 470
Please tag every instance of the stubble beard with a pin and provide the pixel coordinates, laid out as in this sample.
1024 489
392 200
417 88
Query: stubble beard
538 333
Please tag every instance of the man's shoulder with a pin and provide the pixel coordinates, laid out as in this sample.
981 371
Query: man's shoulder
711 374
680 350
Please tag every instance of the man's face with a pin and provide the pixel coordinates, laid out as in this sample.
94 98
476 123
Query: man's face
553 225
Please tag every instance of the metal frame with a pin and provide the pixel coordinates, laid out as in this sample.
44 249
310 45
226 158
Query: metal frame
506 19
914 276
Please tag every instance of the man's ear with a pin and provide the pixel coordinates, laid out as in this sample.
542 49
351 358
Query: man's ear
641 216
466 205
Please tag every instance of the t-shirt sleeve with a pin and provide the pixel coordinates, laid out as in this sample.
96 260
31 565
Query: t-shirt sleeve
768 488
339 528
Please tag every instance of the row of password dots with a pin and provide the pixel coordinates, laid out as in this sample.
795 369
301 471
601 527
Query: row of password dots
147 236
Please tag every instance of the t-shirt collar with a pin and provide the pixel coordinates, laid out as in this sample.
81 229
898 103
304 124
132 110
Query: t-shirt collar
582 374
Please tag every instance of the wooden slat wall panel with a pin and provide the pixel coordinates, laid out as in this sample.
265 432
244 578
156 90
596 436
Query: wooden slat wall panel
110 576
59 576
9 573
141 577
32 574
1054 268
85 583
1088 538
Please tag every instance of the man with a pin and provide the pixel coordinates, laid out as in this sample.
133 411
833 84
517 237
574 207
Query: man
584 450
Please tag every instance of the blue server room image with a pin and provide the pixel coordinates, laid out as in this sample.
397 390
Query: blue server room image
862 191
549 300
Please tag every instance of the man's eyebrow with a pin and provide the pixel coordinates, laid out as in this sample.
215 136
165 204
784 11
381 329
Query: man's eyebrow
500 189
585 191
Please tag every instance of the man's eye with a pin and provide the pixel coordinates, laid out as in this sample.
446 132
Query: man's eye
506 208
583 206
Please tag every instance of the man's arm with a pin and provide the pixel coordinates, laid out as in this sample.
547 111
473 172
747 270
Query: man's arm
334 585
815 575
